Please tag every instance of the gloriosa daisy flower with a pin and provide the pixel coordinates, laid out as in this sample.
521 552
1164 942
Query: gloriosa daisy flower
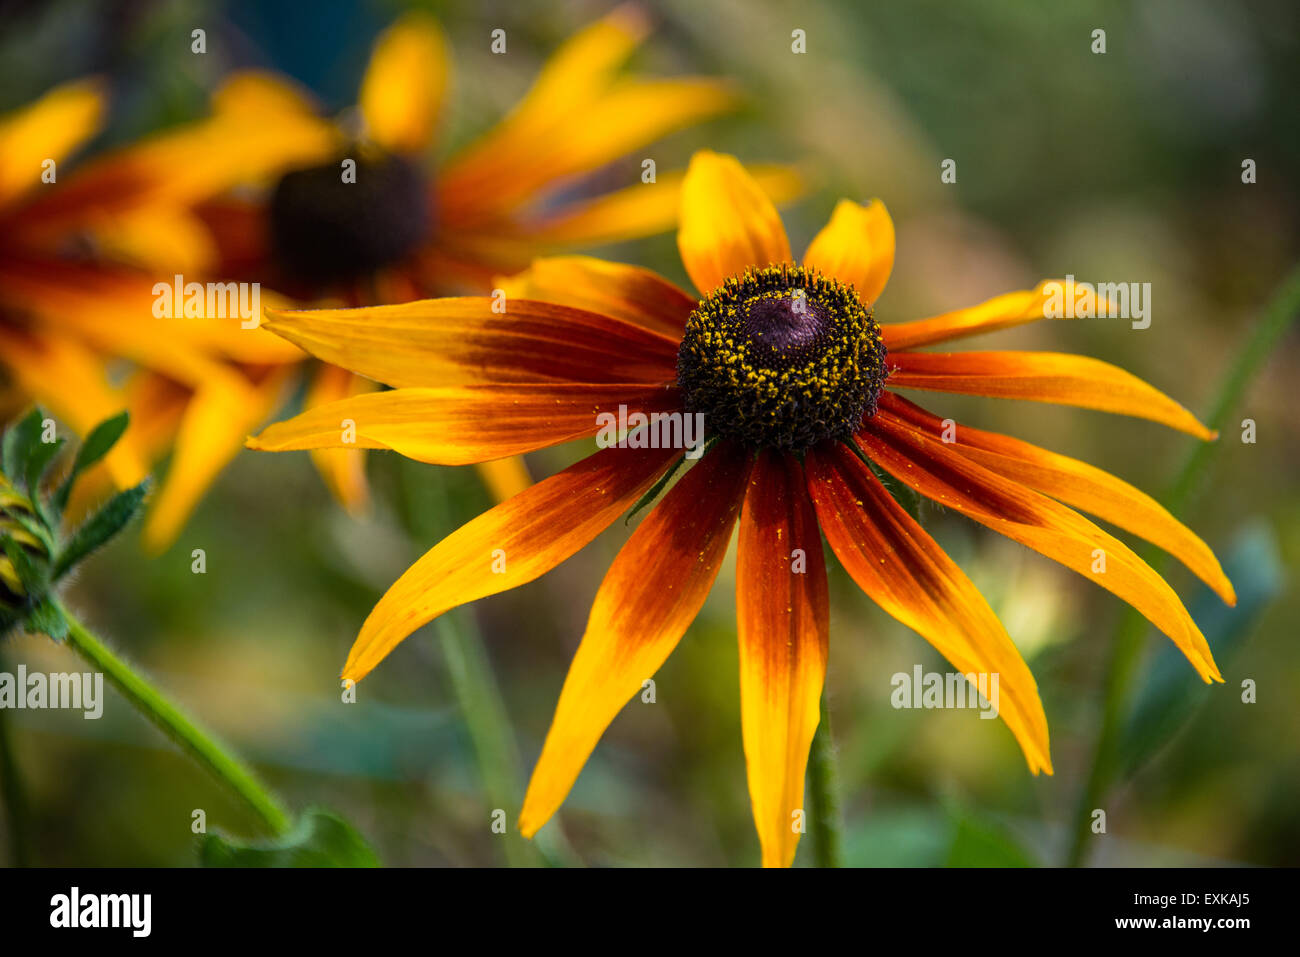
399 228
795 378
81 248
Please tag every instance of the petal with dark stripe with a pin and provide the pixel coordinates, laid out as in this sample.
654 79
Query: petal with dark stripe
1037 521
461 341
1075 483
1042 377
649 597
783 615
464 425
509 545
907 574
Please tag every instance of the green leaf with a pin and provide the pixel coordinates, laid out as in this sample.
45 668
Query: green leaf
980 844
97 444
654 490
19 442
46 619
1171 691
38 461
319 839
100 527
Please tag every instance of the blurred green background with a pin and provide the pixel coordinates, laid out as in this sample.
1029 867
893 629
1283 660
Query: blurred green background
1117 167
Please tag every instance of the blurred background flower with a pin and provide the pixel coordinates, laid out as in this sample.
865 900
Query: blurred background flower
1123 166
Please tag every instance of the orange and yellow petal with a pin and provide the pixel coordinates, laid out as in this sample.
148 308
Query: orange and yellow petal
631 293
1000 312
462 341
405 84
342 470
51 128
727 222
1075 483
1023 515
856 247
783 617
514 543
649 597
462 425
907 574
1042 377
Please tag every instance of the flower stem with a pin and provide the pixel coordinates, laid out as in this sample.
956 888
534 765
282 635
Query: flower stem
15 796
824 794
1126 650
171 721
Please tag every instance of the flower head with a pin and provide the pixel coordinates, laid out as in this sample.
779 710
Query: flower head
372 219
796 378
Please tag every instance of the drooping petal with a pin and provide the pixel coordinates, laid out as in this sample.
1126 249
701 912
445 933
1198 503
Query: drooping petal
783 617
404 86
216 420
856 247
579 72
646 602
343 470
905 571
1037 521
626 117
514 543
51 128
643 209
631 293
440 342
1000 312
1042 377
727 222
462 425
1075 483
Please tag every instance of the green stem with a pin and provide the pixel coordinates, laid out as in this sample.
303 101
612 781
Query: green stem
489 727
1126 651
172 722
15 796
824 794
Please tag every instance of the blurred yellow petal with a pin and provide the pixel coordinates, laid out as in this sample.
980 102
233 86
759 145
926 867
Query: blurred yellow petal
856 247
158 237
51 128
577 73
644 209
505 478
631 115
261 93
727 222
69 380
343 470
221 413
405 84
